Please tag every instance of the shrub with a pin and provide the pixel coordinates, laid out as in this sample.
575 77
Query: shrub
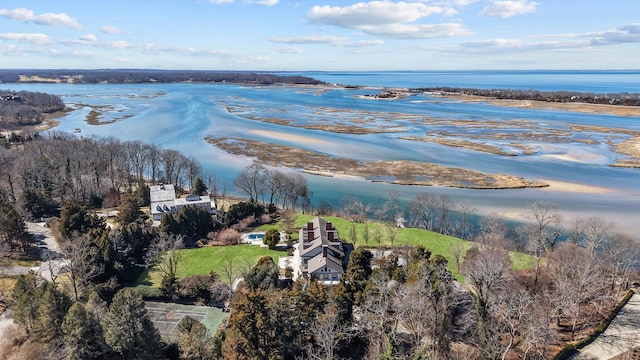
196 287
228 237
244 224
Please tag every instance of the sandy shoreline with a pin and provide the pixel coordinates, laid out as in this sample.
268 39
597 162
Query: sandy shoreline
288 137
619 110
561 186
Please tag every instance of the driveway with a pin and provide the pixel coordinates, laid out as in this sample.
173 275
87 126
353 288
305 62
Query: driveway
50 252
622 334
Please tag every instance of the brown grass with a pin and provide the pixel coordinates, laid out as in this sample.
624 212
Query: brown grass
401 172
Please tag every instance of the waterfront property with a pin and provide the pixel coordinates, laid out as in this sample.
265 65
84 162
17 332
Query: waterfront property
163 200
319 254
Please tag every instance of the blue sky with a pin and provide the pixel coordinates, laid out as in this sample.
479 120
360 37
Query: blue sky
278 35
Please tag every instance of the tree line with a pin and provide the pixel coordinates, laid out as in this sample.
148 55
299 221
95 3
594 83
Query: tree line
622 98
26 107
117 76
273 187
43 174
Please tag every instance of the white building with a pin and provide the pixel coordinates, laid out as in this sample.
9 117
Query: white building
163 200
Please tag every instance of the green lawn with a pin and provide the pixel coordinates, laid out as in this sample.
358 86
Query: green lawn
435 242
200 261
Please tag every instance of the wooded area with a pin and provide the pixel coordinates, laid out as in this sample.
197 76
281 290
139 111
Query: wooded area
26 107
400 304
121 76
536 95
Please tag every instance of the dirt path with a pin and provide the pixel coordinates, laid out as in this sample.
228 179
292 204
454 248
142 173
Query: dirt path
622 335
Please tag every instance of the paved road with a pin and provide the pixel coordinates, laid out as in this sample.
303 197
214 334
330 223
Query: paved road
622 335
51 260
50 252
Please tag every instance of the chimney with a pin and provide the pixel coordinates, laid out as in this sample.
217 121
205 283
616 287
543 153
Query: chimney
329 226
310 235
309 226
330 235
324 251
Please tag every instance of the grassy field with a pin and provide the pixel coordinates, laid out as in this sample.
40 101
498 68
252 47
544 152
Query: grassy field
435 242
201 261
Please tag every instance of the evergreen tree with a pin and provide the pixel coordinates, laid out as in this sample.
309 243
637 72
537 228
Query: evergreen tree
142 194
76 218
169 225
263 276
127 328
271 238
13 231
193 339
24 303
52 309
198 187
82 334
194 222
129 211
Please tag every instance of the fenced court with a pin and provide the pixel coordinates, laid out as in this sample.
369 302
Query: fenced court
166 316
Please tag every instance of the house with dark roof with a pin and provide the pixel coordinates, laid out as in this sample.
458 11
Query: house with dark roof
319 254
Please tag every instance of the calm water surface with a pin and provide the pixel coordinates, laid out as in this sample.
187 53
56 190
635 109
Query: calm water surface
180 116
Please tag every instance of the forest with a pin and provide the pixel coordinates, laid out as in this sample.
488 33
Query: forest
626 99
26 107
395 301
121 76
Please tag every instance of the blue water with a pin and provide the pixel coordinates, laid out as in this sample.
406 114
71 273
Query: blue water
181 115
544 80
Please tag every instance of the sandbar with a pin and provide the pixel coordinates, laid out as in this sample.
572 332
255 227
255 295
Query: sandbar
288 137
561 186
584 158
588 108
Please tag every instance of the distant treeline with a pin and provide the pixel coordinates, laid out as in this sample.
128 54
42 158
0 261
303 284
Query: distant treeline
118 76
547 96
26 107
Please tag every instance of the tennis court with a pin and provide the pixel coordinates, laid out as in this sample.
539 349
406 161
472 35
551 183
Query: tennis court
166 316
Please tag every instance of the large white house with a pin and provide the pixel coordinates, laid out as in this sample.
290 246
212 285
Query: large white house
163 200
319 254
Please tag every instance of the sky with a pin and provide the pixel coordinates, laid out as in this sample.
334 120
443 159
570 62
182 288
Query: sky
320 35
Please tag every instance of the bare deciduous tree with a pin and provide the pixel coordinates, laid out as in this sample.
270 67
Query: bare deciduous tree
164 255
423 209
83 263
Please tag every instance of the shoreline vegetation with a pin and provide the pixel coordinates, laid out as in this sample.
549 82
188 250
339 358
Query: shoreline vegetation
400 172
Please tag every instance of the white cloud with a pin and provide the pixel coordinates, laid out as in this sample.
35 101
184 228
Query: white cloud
362 43
508 8
108 29
371 13
624 34
259 2
389 19
289 50
88 37
264 2
571 42
312 39
38 39
337 41
26 15
417 31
